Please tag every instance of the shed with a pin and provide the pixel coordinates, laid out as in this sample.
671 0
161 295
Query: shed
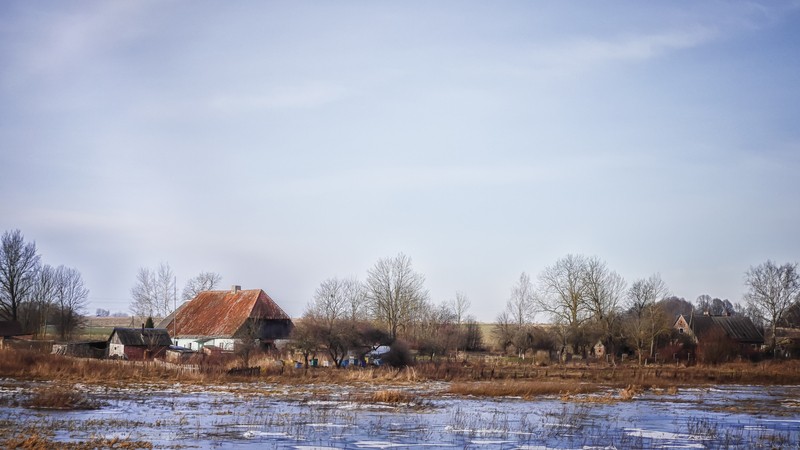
138 343
11 330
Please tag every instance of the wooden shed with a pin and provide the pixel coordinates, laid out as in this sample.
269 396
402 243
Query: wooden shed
11 330
138 343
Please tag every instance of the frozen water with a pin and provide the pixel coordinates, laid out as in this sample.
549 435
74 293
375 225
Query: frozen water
269 416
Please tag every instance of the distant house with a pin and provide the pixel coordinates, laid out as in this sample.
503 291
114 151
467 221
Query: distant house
138 343
223 318
788 341
739 329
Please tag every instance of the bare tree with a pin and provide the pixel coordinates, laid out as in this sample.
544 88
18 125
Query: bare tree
204 281
465 325
330 303
646 319
41 297
522 304
503 330
19 263
564 297
355 294
70 300
459 306
604 292
304 339
395 292
154 292
436 331
332 315
771 291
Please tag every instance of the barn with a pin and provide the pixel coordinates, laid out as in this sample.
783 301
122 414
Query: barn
739 329
138 343
223 318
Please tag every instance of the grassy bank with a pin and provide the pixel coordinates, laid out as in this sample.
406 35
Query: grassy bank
499 377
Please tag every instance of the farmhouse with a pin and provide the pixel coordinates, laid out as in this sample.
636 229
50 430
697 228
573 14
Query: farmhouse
138 343
223 318
739 329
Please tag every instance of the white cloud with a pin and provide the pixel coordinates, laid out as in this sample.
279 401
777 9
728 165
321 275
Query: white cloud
585 53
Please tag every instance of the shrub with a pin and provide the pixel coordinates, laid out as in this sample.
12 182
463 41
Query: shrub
398 357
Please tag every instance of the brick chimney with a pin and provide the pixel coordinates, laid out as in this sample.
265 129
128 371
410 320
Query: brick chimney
235 288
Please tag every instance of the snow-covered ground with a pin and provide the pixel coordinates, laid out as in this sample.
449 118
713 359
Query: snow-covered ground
323 417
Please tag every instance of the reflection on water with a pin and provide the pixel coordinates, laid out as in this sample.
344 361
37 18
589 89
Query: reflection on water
269 416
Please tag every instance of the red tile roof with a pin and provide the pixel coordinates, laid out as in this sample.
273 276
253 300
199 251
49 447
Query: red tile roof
223 313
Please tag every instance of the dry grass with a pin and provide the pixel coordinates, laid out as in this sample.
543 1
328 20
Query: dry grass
35 441
628 393
524 389
388 396
23 364
60 398
506 378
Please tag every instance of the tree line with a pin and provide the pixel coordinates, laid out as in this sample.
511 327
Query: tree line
390 306
583 301
36 294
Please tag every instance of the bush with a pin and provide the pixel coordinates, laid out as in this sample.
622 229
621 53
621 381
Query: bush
398 357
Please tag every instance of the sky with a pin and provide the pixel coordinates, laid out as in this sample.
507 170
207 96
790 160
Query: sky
283 143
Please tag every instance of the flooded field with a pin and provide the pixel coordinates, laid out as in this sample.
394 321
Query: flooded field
261 415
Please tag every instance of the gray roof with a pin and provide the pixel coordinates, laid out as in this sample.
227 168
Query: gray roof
10 328
139 337
738 328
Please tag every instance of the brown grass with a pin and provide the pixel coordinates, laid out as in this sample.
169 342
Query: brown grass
628 393
35 441
60 397
487 376
388 396
524 389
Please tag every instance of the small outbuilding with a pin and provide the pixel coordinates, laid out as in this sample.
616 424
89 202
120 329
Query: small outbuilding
138 343
11 330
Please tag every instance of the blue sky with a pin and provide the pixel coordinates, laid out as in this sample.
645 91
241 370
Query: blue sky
282 143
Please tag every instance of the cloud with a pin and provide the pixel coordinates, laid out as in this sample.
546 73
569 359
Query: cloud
582 54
